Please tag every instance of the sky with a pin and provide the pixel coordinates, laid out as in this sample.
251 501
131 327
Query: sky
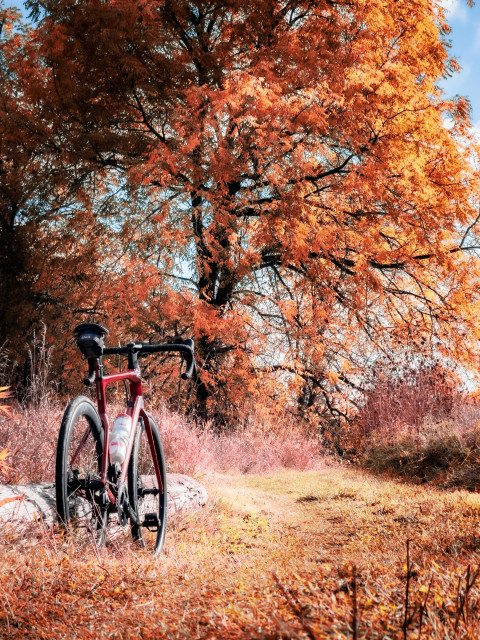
465 41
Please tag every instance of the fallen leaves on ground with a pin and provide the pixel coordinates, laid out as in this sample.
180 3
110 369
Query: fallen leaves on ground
288 555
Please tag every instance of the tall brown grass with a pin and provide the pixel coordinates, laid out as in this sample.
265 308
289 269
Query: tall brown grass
30 435
191 449
408 395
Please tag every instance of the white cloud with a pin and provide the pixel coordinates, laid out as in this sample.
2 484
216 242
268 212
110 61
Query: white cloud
456 9
476 39
475 129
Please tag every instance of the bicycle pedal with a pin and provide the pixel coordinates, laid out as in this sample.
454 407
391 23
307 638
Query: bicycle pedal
150 492
151 522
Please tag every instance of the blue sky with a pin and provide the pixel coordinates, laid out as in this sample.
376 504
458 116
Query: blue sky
465 39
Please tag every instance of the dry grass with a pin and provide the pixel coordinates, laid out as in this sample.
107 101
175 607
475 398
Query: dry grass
446 454
417 424
318 554
193 450
30 436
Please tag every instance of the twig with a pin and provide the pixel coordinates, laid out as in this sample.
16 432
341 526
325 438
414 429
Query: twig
423 608
354 603
458 600
407 589
467 591
296 607
462 598
11 612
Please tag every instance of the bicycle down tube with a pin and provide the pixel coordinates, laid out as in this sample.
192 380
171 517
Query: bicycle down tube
135 409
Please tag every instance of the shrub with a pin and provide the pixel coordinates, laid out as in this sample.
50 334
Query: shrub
407 395
191 449
416 423
443 453
30 435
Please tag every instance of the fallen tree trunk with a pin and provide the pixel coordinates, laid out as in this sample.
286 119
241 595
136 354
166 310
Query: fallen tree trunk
37 501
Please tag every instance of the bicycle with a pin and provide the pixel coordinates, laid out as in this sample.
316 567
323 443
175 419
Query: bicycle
89 486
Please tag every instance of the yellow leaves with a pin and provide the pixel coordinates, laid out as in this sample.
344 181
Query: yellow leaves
4 393
332 377
3 457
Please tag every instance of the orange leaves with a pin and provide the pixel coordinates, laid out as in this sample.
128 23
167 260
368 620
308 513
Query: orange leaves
279 185
8 500
4 467
4 394
3 464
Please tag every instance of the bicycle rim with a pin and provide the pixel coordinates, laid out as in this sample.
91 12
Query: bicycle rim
148 500
78 465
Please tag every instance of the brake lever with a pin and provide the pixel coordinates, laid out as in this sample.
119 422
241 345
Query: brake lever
191 370
90 379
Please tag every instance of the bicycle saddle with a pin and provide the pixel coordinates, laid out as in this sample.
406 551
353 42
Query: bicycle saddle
89 338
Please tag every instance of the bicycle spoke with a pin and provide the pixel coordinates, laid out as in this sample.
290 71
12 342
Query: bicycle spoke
147 495
80 446
78 469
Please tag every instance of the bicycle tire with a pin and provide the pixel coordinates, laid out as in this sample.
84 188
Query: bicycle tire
78 467
141 479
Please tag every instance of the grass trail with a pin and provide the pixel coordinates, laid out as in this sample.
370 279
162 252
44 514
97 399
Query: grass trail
287 555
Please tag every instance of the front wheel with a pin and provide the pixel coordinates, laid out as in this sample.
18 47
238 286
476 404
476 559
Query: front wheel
77 471
147 498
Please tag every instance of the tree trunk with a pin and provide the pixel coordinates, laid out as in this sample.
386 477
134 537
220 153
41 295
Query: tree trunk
33 502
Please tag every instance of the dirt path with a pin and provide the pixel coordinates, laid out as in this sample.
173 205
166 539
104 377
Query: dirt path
310 555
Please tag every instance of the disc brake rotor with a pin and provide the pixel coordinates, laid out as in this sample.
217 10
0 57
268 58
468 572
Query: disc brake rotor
122 508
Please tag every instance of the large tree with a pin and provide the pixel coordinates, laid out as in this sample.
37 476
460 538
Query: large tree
304 196
58 257
15 192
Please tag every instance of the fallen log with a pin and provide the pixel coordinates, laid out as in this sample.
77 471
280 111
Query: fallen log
33 502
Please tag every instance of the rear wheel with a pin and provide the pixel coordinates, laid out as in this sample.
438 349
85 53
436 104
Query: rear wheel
77 472
147 498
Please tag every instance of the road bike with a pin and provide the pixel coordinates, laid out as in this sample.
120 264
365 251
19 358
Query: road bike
90 486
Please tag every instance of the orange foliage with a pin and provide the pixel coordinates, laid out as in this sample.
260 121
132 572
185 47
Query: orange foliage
4 393
275 179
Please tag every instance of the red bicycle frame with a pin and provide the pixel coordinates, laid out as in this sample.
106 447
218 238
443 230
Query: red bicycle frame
135 410
91 485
